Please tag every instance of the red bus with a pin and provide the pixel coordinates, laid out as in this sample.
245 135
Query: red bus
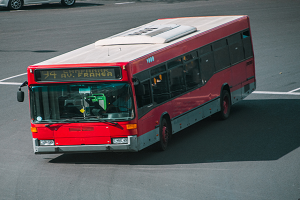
137 88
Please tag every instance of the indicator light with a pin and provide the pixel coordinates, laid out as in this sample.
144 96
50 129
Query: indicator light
131 126
33 129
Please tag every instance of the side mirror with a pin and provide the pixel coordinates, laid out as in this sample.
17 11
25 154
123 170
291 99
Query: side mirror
20 96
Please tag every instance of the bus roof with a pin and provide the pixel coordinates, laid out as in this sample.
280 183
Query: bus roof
138 42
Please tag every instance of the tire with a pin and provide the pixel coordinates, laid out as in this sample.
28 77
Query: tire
68 2
15 4
225 105
164 134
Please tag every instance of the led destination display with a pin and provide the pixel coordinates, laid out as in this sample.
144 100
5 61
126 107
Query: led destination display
82 74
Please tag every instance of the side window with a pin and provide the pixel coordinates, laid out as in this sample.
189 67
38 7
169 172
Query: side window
174 63
177 83
192 74
236 49
176 77
143 90
160 88
145 99
207 65
158 70
190 56
221 54
247 44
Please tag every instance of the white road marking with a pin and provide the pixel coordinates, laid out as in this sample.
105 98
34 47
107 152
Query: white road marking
124 3
294 90
280 93
10 83
12 77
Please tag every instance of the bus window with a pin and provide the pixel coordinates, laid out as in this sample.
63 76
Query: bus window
59 102
205 49
221 54
207 67
192 74
177 84
158 70
236 48
174 63
145 99
190 56
160 88
247 44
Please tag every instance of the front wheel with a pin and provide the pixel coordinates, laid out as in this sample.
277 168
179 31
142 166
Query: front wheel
68 2
15 4
225 105
164 134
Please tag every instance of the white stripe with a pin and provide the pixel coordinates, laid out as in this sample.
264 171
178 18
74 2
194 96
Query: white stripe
13 77
282 93
9 83
123 3
294 90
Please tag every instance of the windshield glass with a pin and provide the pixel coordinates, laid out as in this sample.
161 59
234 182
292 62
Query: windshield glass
87 102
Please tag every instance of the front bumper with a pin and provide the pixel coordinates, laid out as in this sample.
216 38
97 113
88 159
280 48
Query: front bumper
130 147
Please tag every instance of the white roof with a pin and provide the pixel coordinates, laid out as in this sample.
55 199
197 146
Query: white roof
137 42
148 34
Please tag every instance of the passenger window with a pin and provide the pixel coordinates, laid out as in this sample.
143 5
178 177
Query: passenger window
219 44
174 63
204 50
234 38
236 48
145 99
190 56
207 67
158 70
247 44
177 83
160 88
221 54
192 74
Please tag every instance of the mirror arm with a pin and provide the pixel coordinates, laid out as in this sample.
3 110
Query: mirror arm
23 84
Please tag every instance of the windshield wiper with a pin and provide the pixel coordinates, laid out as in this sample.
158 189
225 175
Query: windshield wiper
65 120
78 119
98 118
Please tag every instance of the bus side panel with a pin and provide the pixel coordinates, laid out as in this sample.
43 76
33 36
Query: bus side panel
250 68
148 138
238 74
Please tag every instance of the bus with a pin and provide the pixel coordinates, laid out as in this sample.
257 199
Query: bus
137 88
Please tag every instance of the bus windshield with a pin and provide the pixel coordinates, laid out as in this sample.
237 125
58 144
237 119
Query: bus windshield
87 102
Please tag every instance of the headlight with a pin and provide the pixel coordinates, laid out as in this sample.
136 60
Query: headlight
120 140
47 142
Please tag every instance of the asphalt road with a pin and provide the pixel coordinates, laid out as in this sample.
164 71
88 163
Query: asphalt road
252 155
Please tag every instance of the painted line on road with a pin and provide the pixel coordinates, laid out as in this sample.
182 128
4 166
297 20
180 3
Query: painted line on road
280 93
124 3
12 77
294 90
10 83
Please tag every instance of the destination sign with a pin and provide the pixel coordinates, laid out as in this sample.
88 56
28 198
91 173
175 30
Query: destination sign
82 74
